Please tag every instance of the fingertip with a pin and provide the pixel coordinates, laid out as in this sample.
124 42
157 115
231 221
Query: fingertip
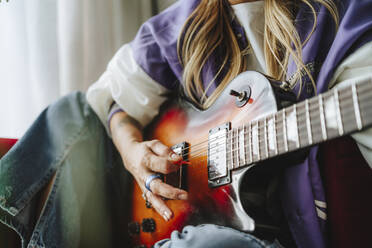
174 157
182 196
167 215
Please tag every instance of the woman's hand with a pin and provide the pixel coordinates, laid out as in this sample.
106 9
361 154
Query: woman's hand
144 158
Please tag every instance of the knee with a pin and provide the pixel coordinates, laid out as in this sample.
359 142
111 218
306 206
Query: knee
65 121
72 112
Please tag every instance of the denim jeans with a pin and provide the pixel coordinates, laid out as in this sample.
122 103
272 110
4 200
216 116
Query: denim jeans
89 201
210 236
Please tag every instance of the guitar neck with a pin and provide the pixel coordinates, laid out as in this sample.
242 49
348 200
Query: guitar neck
330 115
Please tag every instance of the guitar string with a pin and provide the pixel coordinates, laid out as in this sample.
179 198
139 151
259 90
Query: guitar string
311 108
260 127
265 141
279 122
198 162
300 118
260 140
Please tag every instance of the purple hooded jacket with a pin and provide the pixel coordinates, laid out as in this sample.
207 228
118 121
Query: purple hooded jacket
155 50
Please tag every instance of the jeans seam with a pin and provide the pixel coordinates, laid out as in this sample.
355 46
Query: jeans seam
26 196
40 225
45 212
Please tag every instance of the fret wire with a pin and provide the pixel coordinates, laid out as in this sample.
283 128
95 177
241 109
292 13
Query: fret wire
322 118
237 145
279 131
348 126
246 139
233 147
351 106
320 130
285 132
369 113
365 83
338 113
275 135
300 112
364 110
313 115
244 160
265 137
229 150
253 144
317 129
262 141
298 135
363 95
250 142
258 145
308 124
347 114
318 122
232 152
356 107
278 123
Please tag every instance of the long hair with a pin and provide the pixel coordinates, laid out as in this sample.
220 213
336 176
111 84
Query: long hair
208 30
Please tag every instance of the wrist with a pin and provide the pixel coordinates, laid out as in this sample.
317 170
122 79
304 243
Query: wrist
125 131
114 109
114 121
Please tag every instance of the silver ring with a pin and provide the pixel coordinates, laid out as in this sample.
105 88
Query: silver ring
144 196
147 202
149 180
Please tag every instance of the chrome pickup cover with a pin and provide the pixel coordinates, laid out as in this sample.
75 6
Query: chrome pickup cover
218 152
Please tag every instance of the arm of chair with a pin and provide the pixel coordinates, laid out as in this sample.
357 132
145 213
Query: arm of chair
5 145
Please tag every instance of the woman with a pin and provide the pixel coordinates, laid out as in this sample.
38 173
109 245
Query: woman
309 43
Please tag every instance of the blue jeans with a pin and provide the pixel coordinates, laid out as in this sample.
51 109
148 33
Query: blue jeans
88 204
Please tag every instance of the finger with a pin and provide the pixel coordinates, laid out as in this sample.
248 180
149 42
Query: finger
158 164
160 188
159 205
164 151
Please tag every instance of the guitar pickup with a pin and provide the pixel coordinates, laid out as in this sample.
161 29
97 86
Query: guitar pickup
218 155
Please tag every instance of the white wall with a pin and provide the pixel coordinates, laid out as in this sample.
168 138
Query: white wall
49 48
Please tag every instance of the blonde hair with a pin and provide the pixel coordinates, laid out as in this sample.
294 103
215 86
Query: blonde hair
208 30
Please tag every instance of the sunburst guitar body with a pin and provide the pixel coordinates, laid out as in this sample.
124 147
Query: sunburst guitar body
220 144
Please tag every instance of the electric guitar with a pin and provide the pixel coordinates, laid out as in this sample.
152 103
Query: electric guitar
242 128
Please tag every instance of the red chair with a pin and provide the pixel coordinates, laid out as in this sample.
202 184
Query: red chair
8 238
5 145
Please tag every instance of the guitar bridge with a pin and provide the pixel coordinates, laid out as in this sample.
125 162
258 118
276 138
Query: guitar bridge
218 173
178 178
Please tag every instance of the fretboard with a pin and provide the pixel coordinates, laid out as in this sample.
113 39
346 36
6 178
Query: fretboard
333 114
